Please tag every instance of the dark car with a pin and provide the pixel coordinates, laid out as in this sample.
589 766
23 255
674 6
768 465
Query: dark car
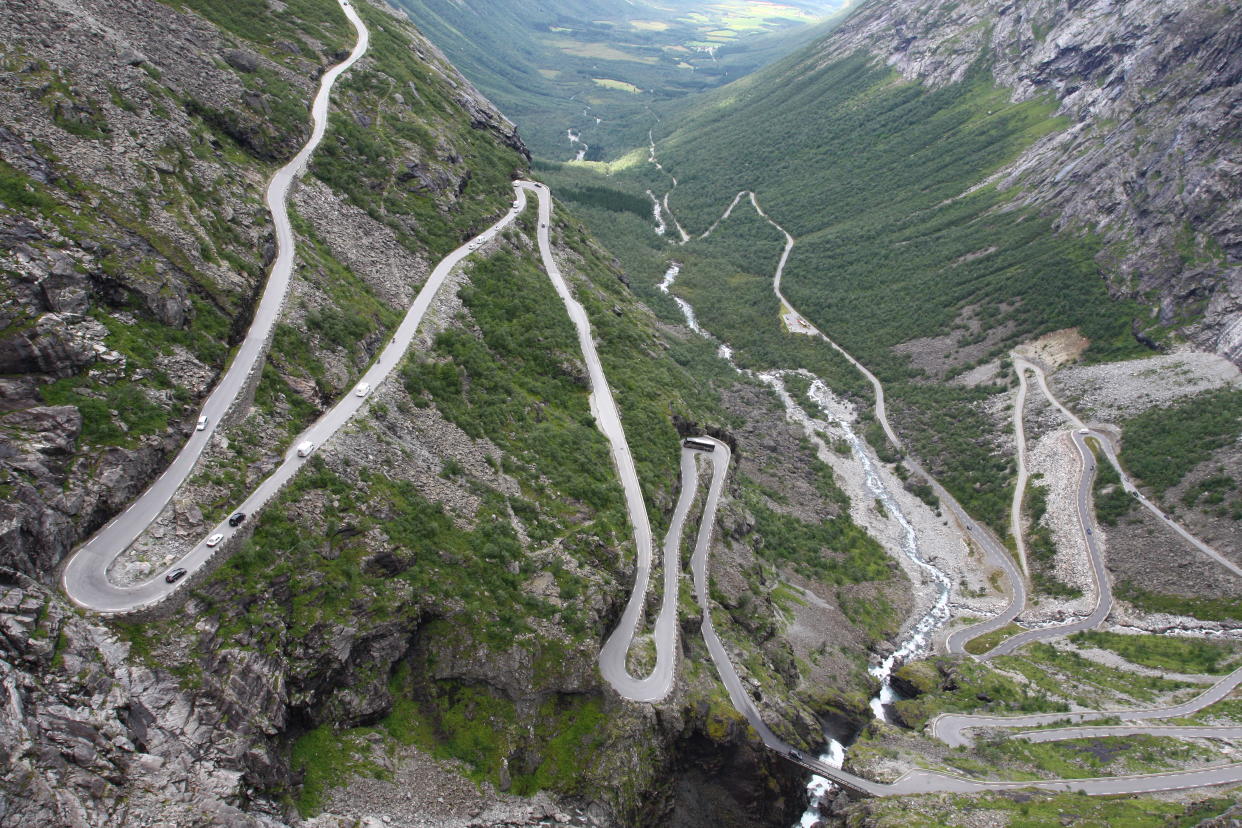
236 519
176 575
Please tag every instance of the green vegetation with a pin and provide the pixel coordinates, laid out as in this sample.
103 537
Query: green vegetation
947 426
20 192
471 723
378 166
965 685
430 556
522 385
870 179
1111 500
897 229
1164 652
606 198
1163 444
650 390
1040 550
1102 756
983 643
1212 491
265 25
872 612
555 65
326 758
835 551
1067 674
119 414
1209 609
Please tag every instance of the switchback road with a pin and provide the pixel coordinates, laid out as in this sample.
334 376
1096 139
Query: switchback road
85 575
1110 451
1099 572
951 728
924 781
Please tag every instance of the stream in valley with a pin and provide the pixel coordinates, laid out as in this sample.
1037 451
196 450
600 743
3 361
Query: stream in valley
917 640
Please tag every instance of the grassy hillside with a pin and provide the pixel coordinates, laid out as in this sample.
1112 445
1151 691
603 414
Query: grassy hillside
874 177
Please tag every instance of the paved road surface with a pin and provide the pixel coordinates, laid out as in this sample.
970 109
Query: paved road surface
922 781
86 576
612 657
1127 482
83 576
993 549
1019 489
1099 572
951 728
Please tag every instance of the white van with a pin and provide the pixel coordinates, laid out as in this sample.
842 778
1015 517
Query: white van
362 389
305 448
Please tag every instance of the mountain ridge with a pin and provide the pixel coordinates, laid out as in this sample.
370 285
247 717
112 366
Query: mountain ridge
1154 93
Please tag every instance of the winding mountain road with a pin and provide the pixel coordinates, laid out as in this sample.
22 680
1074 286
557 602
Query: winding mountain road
85 574
972 530
1019 489
1110 451
951 728
948 728
86 582
1099 572
612 656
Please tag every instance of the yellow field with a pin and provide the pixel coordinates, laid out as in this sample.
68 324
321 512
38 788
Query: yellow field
550 73
649 25
599 51
739 16
633 158
623 86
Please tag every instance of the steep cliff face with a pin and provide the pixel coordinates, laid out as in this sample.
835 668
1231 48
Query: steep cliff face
1149 160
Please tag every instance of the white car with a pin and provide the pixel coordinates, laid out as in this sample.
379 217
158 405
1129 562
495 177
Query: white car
216 538
1083 431
305 448
202 423
362 389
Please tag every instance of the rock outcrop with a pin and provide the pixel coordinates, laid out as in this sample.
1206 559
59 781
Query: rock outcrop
91 736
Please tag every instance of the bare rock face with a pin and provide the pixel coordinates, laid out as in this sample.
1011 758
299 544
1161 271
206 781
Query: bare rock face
1150 161
91 737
